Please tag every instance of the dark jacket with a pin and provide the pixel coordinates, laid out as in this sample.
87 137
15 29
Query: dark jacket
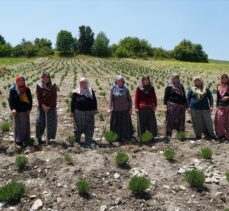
172 96
15 103
82 103
47 97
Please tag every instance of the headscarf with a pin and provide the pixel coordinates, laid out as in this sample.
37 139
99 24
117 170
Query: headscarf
86 91
20 89
221 79
117 90
221 90
177 87
145 88
199 91
42 84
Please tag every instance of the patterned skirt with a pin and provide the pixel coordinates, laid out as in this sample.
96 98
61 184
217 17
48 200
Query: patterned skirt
222 122
175 117
21 127
121 124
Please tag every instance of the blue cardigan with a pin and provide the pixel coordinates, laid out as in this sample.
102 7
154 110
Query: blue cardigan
200 104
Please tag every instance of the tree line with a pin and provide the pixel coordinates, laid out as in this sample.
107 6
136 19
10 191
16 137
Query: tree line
129 47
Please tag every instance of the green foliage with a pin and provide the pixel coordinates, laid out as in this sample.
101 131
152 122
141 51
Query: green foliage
101 46
2 40
121 159
111 136
195 178
133 47
5 50
5 127
187 51
4 104
44 47
181 135
138 185
160 53
86 39
21 161
169 154
12 192
206 153
68 158
146 137
83 187
64 43
71 140
101 118
227 176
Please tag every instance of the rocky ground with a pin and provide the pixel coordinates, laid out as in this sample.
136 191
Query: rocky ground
50 181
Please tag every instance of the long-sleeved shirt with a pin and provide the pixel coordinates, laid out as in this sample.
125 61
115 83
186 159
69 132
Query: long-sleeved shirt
47 97
204 103
82 103
143 100
219 101
17 104
172 96
120 102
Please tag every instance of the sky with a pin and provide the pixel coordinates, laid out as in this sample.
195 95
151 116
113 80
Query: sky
164 23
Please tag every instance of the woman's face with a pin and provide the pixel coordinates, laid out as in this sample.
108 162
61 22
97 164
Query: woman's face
20 82
120 82
45 79
197 82
145 81
176 79
224 79
83 84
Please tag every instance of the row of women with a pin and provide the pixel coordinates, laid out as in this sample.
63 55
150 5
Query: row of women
198 102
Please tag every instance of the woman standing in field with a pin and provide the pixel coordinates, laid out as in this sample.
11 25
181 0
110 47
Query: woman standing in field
222 112
83 109
20 102
200 102
175 105
146 105
47 99
120 108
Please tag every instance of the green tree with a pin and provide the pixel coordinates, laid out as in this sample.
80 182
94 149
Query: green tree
187 51
44 47
86 39
161 53
2 40
5 50
101 46
133 47
65 43
18 50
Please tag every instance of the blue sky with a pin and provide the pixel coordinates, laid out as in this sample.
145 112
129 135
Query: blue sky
164 23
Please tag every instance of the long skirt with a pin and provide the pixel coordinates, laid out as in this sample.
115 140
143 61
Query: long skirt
21 127
121 124
147 121
175 118
222 122
84 122
202 122
41 123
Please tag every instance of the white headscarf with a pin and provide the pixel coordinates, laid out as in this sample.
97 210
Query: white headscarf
86 91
